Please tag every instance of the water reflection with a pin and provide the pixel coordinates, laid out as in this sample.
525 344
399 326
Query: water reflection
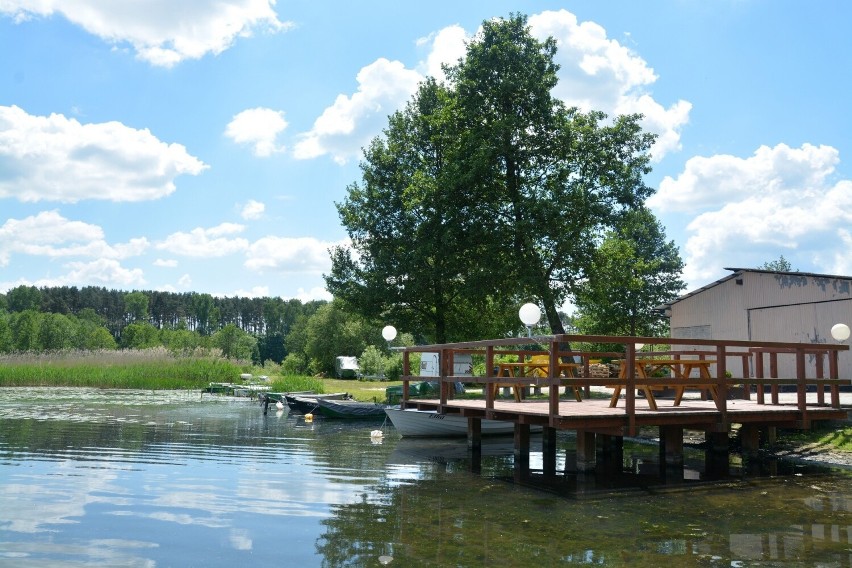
143 479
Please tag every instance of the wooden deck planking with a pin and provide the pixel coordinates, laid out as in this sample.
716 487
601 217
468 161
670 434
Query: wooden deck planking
597 415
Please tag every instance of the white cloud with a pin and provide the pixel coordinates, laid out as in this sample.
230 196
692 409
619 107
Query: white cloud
348 125
253 210
101 272
598 73
185 281
745 211
106 271
161 32
258 127
51 235
316 293
595 72
446 47
59 159
283 254
206 243
254 292
166 263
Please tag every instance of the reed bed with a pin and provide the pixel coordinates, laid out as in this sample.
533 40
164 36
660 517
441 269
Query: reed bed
298 384
130 369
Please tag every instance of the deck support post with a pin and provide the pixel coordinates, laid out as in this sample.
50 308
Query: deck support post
548 450
717 456
750 439
522 441
611 451
474 433
586 459
771 434
671 445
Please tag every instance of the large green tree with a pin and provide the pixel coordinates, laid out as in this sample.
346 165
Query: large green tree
635 271
416 259
549 179
484 193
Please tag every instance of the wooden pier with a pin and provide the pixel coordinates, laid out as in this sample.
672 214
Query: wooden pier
732 379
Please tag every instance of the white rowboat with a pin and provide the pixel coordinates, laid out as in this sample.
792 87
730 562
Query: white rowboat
429 424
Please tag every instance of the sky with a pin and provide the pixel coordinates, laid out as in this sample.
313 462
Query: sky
201 145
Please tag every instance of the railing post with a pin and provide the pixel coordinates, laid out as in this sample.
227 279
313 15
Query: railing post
802 386
722 383
834 374
758 374
746 375
773 373
630 387
444 364
553 384
489 373
820 374
406 373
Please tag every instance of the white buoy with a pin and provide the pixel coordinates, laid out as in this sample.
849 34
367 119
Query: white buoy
376 434
309 417
279 405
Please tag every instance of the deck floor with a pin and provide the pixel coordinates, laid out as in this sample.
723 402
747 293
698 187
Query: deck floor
596 413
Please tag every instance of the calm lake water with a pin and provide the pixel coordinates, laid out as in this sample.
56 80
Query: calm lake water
118 478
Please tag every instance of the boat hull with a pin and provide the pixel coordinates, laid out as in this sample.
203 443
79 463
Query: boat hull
429 424
350 409
307 402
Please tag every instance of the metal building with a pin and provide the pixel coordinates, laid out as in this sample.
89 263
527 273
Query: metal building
766 305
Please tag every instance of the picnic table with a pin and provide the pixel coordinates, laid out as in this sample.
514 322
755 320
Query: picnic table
682 369
528 369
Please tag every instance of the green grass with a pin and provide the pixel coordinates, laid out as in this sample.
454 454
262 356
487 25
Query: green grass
829 435
128 369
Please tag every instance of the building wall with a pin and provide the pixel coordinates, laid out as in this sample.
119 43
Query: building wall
763 306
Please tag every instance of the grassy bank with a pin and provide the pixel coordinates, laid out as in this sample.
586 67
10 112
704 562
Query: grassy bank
367 391
837 436
129 369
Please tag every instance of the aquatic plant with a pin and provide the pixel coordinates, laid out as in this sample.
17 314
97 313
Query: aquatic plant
155 368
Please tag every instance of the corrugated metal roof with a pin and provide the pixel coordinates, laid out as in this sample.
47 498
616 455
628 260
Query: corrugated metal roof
738 272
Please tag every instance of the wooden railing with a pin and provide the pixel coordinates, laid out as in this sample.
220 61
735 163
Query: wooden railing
557 347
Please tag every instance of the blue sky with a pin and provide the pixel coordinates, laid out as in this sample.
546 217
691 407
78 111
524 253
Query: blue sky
201 146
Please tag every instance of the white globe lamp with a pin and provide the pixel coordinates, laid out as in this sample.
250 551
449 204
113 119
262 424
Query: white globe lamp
840 331
529 314
389 332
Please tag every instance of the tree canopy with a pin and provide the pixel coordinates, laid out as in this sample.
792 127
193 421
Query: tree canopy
635 271
484 193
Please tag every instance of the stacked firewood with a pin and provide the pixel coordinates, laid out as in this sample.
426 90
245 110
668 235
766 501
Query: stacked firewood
599 371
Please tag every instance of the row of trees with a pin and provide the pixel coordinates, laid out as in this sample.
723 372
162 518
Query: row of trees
197 312
34 331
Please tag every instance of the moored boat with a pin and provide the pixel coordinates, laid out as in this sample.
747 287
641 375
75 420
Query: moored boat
350 409
411 422
307 402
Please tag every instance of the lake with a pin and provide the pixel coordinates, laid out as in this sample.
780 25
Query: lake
140 478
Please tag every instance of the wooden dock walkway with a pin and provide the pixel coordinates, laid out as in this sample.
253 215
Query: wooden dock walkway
725 368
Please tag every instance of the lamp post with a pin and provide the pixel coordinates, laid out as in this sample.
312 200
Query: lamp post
529 314
389 333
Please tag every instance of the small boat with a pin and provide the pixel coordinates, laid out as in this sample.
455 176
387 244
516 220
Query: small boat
429 424
307 402
350 409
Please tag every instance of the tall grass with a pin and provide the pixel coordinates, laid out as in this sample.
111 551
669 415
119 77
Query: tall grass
297 384
130 369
